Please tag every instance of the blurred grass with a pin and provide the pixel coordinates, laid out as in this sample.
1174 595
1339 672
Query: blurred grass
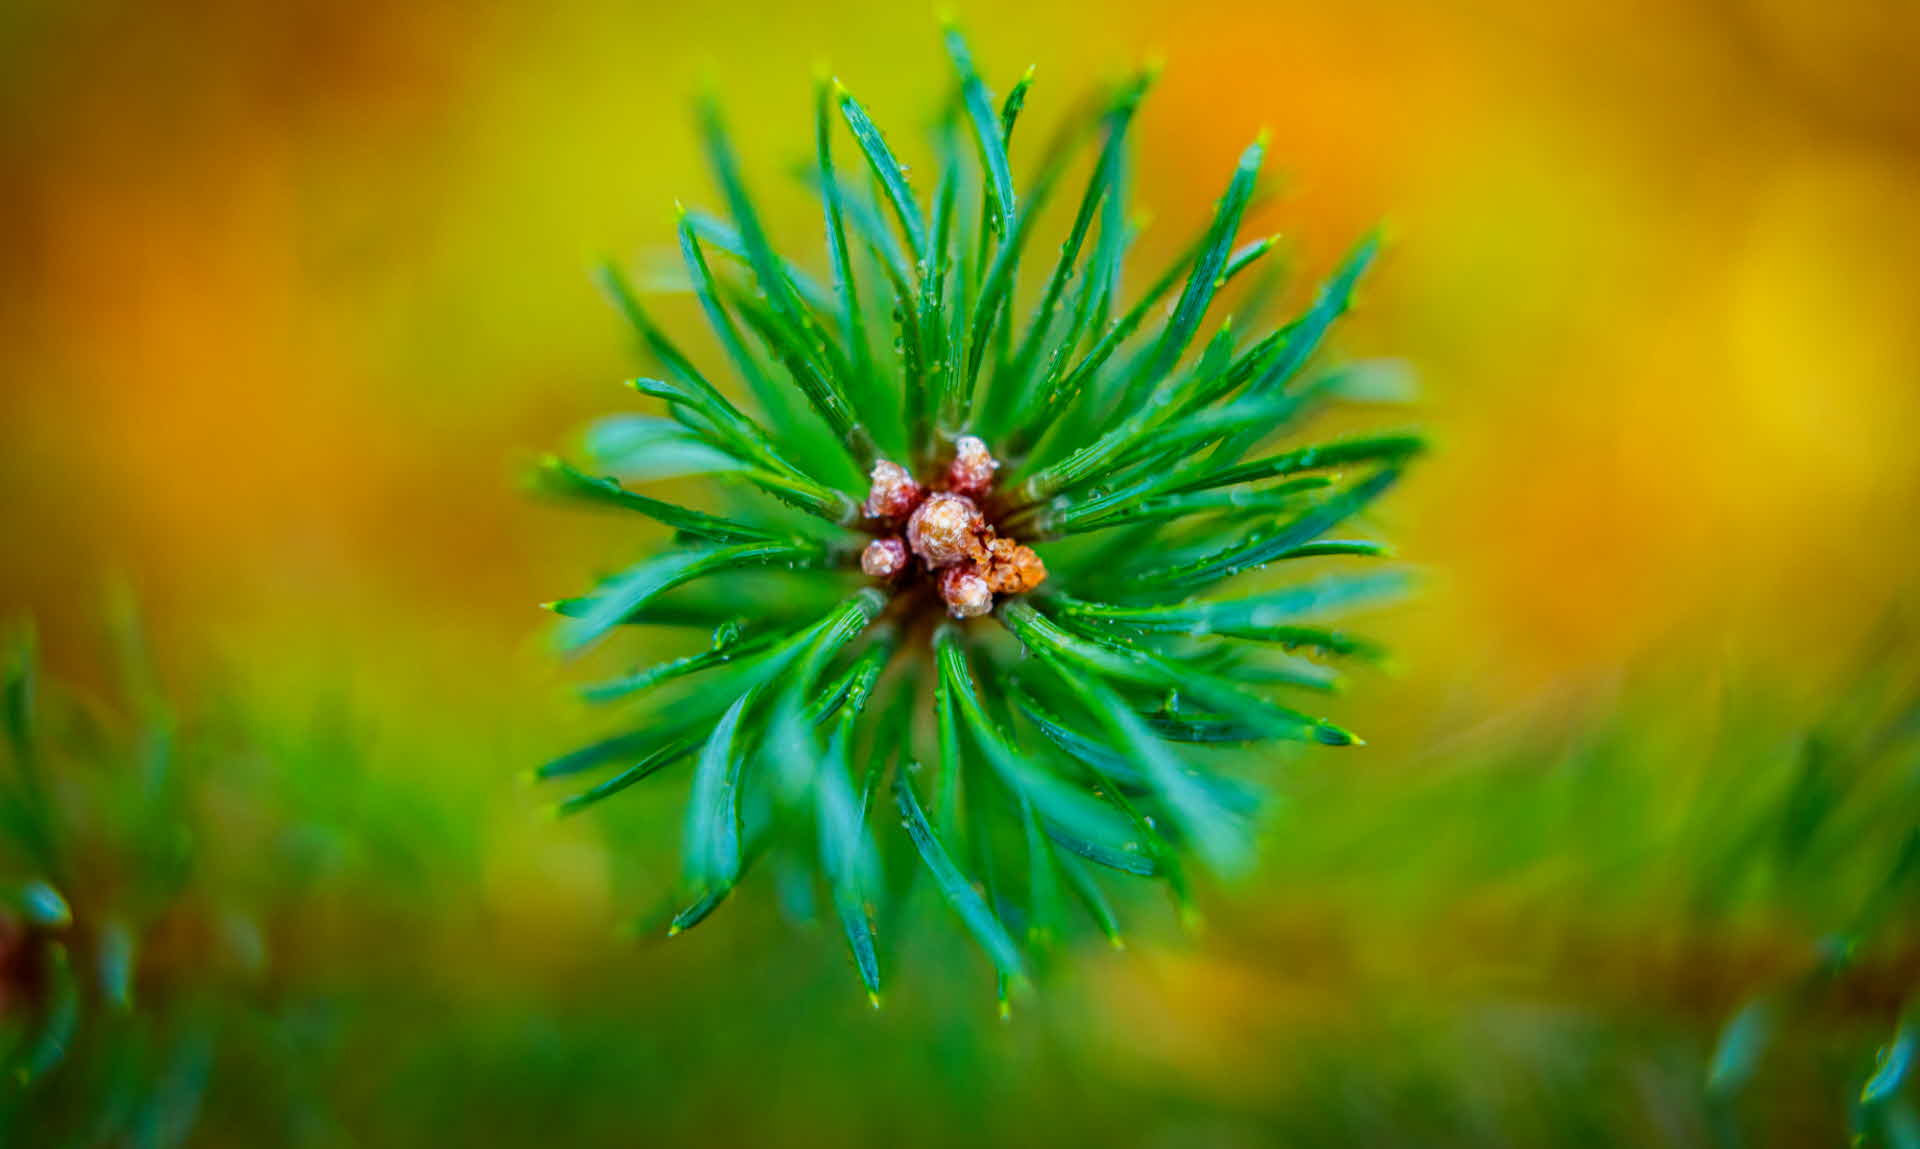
1538 940
288 287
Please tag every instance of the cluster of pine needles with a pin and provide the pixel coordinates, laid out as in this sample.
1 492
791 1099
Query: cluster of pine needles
1114 720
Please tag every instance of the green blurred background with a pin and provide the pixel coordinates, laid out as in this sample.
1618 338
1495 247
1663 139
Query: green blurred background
292 291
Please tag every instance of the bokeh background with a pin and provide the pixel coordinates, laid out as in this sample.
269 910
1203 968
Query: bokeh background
291 292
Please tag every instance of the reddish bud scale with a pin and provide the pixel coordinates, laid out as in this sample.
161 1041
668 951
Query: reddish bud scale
971 472
893 494
884 558
967 594
946 529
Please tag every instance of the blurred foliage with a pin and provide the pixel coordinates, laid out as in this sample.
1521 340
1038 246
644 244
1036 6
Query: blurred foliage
99 860
1680 915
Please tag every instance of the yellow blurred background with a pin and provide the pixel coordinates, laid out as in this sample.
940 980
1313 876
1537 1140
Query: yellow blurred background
291 291
288 286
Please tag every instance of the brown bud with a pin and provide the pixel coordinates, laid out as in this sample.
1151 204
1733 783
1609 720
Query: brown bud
945 530
971 472
884 557
893 494
1011 567
966 593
